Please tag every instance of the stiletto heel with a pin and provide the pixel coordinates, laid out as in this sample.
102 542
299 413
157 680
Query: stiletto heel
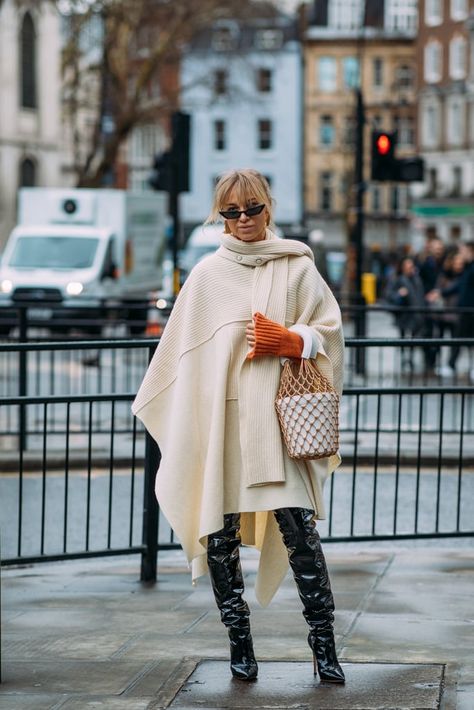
325 661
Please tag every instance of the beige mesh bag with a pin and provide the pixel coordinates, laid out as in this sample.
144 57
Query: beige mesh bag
308 410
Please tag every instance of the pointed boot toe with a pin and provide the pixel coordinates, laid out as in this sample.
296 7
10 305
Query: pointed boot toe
325 660
242 659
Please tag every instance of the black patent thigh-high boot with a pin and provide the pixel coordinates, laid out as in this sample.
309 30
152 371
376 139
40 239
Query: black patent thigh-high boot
228 585
312 580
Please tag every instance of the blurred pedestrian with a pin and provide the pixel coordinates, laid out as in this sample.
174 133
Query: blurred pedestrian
208 399
429 263
405 290
447 287
465 325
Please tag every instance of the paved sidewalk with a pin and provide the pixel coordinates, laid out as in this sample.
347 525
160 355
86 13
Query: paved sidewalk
87 634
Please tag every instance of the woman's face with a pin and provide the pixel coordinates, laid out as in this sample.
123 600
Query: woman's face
247 229
408 267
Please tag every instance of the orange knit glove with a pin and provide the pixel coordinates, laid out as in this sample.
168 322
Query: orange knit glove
273 339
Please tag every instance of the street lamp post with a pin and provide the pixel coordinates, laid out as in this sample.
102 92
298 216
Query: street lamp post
357 232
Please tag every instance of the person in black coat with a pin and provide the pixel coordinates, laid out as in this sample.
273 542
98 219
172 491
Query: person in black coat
406 291
465 325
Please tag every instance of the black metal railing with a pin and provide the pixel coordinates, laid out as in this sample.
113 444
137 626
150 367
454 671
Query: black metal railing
117 365
46 319
23 320
78 493
82 490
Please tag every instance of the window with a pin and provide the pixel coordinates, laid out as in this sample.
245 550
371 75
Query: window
457 57
459 9
327 74
264 80
269 39
351 72
455 122
433 58
326 190
224 39
220 82
405 127
433 12
377 73
457 180
28 63
377 122
431 125
433 181
349 131
346 14
405 76
375 198
27 173
394 198
401 15
326 131
265 137
219 135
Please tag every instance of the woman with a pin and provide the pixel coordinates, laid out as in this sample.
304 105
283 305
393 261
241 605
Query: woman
208 399
406 290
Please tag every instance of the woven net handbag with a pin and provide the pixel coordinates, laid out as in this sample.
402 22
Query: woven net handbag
307 406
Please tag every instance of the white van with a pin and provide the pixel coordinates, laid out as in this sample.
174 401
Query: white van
202 241
75 250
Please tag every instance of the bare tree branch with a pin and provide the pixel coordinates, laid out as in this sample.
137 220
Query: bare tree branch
116 49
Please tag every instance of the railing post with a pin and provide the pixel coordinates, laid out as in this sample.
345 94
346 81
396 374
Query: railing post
23 376
150 512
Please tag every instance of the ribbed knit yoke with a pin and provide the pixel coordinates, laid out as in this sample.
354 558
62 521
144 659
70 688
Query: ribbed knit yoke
201 365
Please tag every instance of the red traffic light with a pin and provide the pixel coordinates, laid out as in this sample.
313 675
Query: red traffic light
383 144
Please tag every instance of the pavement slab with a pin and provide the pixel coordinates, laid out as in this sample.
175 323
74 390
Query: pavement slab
87 634
369 686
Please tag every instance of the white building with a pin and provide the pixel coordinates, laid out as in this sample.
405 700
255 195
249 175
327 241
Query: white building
30 102
242 86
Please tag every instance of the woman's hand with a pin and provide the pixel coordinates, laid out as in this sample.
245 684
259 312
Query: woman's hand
250 334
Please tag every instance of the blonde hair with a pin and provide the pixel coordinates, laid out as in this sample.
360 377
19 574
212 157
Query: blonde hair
249 184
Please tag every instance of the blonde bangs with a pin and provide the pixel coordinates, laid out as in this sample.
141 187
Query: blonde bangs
248 184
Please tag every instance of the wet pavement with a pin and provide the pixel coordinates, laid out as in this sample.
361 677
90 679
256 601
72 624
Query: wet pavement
88 634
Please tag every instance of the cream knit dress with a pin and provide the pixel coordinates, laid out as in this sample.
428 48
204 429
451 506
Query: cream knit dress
212 411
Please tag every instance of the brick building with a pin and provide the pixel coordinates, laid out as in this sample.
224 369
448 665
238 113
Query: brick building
347 44
444 204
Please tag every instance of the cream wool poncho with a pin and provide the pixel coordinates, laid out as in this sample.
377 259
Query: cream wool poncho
212 411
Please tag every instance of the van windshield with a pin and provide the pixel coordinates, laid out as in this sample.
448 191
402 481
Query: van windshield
53 252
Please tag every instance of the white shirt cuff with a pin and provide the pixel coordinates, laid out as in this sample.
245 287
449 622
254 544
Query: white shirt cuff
310 339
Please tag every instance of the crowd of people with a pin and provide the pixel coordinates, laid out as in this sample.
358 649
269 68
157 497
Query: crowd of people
434 291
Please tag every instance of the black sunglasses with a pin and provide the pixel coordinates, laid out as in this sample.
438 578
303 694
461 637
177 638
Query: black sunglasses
235 214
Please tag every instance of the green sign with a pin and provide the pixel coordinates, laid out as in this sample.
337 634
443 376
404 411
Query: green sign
441 210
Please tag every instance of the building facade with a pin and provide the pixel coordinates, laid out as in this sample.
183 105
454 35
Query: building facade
444 204
350 45
30 124
242 86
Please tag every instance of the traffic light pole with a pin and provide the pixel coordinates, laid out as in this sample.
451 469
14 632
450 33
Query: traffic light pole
357 235
174 214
